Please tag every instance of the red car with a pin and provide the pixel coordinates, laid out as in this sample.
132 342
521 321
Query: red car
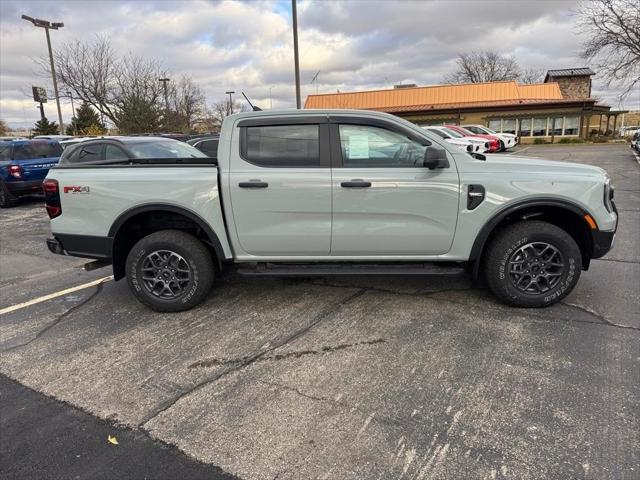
494 142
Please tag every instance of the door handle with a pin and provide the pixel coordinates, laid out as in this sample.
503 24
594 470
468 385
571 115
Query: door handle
253 184
356 184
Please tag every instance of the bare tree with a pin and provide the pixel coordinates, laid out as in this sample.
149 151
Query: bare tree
219 111
476 67
3 128
612 45
531 75
186 106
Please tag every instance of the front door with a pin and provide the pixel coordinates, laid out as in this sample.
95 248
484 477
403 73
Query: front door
385 202
281 189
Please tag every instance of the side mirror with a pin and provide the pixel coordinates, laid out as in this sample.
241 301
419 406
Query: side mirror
435 157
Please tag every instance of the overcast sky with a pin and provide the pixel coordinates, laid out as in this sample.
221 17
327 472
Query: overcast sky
247 46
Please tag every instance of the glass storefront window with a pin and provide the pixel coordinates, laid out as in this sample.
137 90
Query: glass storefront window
539 127
509 125
571 125
495 125
525 127
557 126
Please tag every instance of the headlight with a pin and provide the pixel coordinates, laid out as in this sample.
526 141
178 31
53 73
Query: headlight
608 195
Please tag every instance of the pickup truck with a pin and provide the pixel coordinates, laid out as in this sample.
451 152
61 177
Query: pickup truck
23 166
330 192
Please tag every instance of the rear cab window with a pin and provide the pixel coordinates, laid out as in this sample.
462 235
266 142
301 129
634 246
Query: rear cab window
34 150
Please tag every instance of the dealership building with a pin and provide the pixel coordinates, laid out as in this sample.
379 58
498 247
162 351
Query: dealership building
560 107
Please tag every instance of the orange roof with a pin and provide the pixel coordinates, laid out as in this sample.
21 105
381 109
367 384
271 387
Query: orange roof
440 97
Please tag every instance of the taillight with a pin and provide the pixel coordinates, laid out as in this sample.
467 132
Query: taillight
15 171
52 197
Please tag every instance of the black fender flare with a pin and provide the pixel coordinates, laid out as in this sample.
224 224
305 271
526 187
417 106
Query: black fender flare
167 207
484 233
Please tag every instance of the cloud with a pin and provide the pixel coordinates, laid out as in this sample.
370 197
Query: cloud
247 46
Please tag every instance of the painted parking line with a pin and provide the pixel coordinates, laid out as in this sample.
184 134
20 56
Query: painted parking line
44 298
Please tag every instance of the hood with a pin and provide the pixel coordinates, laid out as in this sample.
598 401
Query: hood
519 164
506 135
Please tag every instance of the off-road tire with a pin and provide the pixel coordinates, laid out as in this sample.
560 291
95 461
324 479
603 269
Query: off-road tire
197 259
7 199
509 242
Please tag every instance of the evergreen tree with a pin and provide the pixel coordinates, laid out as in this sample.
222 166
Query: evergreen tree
86 119
44 127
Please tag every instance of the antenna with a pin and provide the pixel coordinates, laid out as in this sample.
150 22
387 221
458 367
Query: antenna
315 79
254 108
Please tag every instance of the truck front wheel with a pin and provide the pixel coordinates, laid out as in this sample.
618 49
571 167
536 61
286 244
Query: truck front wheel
532 264
170 271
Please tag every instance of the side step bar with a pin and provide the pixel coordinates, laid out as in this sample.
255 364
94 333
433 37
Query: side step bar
326 269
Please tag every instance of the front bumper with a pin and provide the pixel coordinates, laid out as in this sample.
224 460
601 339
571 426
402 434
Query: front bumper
24 186
603 241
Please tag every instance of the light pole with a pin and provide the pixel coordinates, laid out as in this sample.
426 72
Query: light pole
164 82
73 109
294 15
54 26
230 107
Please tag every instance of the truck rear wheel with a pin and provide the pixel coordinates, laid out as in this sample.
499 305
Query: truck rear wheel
532 264
170 271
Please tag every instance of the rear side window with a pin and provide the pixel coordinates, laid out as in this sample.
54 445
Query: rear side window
82 154
28 151
283 146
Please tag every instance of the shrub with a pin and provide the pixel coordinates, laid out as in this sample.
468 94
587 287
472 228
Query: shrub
539 141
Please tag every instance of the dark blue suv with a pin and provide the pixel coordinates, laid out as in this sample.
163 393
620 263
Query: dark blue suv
23 166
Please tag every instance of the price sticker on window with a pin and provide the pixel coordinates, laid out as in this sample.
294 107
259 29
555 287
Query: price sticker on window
358 146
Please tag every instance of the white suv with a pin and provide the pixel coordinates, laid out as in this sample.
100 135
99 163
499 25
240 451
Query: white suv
509 140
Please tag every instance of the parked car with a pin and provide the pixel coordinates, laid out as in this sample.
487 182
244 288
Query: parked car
494 142
23 166
208 145
508 140
59 138
72 141
323 192
635 141
467 144
125 148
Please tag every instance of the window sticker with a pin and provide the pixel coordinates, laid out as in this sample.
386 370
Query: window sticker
358 146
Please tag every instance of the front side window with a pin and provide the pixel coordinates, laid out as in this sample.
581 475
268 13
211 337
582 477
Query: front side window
571 125
525 127
292 146
367 146
557 126
509 126
495 125
539 127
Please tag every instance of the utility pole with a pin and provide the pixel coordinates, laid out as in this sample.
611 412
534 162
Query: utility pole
47 26
164 82
294 15
230 104
75 124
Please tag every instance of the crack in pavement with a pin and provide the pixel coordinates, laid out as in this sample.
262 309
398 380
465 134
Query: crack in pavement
616 260
599 316
399 292
211 362
58 319
249 359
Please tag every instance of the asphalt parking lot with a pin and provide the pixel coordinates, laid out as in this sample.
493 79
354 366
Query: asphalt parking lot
349 378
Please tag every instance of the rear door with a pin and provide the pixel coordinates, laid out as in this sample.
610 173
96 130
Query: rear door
385 202
280 184
36 157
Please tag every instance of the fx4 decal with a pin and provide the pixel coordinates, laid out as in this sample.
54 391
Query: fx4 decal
75 189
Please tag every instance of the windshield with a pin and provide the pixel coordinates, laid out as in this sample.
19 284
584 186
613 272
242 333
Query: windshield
453 133
164 149
32 150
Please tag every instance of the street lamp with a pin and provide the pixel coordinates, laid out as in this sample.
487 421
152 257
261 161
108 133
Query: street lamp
73 109
296 61
50 26
230 108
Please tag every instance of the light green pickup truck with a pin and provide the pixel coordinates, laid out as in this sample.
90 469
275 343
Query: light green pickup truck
332 192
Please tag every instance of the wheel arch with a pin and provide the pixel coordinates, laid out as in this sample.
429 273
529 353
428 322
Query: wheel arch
143 220
563 213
